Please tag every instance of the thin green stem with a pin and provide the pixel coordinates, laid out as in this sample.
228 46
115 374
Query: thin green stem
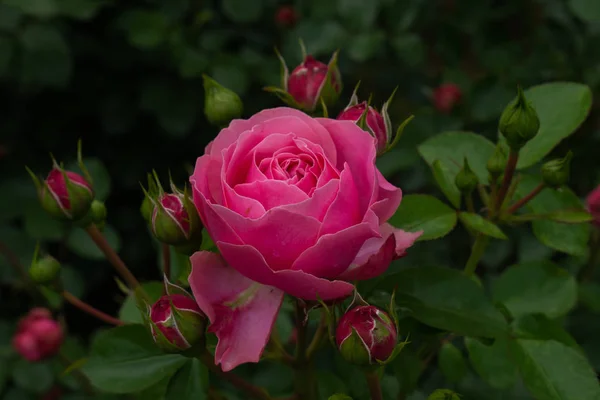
77 373
114 258
241 384
525 199
469 203
305 383
477 251
509 171
374 385
318 337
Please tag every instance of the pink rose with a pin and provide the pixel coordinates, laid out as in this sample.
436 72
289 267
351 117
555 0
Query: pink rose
295 205
593 205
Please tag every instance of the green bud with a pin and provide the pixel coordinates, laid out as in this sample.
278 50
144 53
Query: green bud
519 122
45 270
98 213
497 162
354 350
221 105
555 173
443 394
466 181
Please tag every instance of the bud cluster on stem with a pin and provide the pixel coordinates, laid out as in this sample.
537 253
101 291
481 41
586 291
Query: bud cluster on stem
38 335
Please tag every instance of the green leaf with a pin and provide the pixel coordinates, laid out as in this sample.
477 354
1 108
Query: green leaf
190 382
80 9
145 29
536 287
80 243
407 367
38 8
568 238
443 394
540 327
6 54
570 216
366 45
129 311
587 10
340 397
445 180
126 360
553 371
561 107
358 14
479 224
420 212
492 363
10 17
243 11
452 363
45 56
40 225
589 295
158 391
446 299
34 377
23 196
451 148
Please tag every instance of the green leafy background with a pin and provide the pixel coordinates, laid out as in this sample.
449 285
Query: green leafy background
125 76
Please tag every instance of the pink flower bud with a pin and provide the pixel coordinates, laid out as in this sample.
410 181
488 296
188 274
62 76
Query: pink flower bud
66 199
173 221
49 335
593 205
286 16
366 335
446 96
179 320
307 83
27 346
374 121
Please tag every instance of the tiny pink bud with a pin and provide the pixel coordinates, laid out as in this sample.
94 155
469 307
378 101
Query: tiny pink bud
27 346
49 335
180 321
593 205
306 82
366 335
172 222
286 16
374 120
66 199
446 96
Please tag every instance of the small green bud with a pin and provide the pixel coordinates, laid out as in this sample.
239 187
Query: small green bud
466 181
98 213
555 173
45 270
443 394
221 105
519 122
497 162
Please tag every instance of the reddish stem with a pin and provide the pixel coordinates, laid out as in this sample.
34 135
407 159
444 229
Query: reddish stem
526 199
509 171
83 306
166 255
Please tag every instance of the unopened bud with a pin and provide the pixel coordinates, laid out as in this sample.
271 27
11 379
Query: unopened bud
175 220
38 336
177 322
366 335
221 105
519 122
593 205
466 181
555 173
65 194
497 162
45 270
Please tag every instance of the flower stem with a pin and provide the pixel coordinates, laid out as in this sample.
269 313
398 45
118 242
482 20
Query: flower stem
509 171
525 199
166 255
251 390
91 310
469 203
305 383
374 385
113 257
316 340
477 251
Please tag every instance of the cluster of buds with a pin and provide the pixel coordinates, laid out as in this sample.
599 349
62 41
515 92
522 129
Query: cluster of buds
311 84
172 217
366 335
38 335
446 97
593 205
176 322
376 123
221 105
69 196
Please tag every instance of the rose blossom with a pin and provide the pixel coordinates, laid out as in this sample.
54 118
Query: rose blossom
295 205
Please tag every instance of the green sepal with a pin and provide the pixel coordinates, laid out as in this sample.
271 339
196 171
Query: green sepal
285 72
395 353
331 320
354 350
283 96
354 98
386 117
80 163
327 92
173 289
398 134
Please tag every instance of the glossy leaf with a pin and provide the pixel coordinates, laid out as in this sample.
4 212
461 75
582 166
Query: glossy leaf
445 180
553 371
190 382
492 363
420 212
536 287
451 148
540 327
446 299
126 360
452 363
479 224
561 107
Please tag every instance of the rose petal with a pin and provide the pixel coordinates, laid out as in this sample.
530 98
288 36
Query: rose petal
207 178
250 263
272 193
241 312
376 255
388 199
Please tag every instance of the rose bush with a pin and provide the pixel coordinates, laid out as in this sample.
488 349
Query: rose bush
295 205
